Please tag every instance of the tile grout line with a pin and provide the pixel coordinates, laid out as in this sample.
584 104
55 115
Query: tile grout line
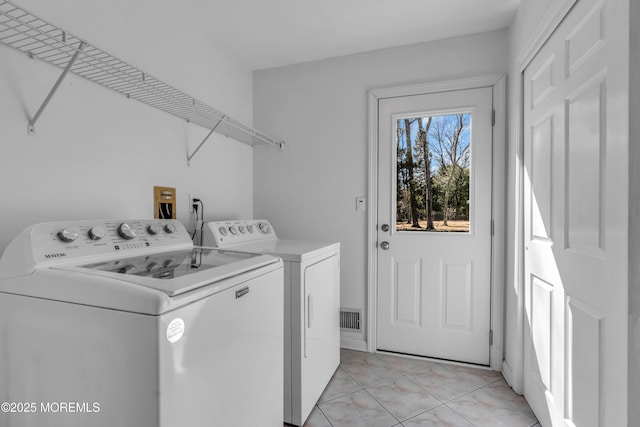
363 388
346 394
339 397
513 407
400 375
324 415
473 391
459 414
429 410
444 402
421 388
383 407
452 399
404 372
378 383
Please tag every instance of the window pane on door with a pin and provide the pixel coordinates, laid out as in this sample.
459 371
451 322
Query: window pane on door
433 177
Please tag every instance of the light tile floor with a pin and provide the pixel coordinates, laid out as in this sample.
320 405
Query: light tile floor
380 390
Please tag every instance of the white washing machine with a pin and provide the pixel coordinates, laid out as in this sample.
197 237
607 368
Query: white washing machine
311 301
126 323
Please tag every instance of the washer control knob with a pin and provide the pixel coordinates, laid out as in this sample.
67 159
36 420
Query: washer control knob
241 229
250 228
222 231
153 229
153 266
97 233
170 228
126 231
68 234
263 227
233 230
128 269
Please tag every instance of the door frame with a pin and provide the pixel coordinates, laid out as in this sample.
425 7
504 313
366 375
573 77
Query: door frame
498 208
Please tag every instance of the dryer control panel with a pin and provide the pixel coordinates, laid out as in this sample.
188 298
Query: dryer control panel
53 243
222 233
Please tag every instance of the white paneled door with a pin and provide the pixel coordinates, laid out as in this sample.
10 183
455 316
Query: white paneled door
575 215
434 225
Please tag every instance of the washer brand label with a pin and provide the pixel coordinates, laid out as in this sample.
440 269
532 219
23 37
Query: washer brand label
57 255
242 292
175 330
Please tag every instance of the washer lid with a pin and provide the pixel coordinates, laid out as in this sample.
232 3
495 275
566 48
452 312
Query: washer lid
176 272
288 250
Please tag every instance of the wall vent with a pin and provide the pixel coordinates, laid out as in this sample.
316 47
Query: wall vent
350 320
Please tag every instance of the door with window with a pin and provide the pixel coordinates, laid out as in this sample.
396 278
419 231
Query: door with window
434 225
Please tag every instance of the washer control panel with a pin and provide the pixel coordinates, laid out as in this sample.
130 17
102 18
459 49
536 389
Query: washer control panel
67 240
223 233
50 244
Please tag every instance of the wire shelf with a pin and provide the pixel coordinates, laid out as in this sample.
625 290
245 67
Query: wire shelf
37 38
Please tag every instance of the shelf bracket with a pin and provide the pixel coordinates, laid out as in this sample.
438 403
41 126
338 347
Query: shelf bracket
190 156
32 123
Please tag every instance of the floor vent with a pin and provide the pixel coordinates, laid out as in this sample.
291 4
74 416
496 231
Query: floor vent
350 320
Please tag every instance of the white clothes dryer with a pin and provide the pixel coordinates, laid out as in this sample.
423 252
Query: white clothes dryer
311 303
126 323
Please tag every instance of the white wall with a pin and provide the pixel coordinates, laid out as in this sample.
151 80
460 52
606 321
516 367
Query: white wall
634 218
319 108
98 155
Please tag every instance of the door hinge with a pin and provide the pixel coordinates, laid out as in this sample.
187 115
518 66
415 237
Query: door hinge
493 117
490 337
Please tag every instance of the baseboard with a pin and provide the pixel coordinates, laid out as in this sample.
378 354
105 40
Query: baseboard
507 373
351 343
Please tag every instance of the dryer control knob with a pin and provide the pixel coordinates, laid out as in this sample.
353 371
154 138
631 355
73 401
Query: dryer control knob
170 228
126 231
153 229
263 227
97 233
68 234
233 230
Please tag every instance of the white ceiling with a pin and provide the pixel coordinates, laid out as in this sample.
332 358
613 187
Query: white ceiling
271 33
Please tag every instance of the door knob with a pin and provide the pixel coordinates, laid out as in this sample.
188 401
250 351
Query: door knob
384 245
385 227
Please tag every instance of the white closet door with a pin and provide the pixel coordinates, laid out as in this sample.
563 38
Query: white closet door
576 186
